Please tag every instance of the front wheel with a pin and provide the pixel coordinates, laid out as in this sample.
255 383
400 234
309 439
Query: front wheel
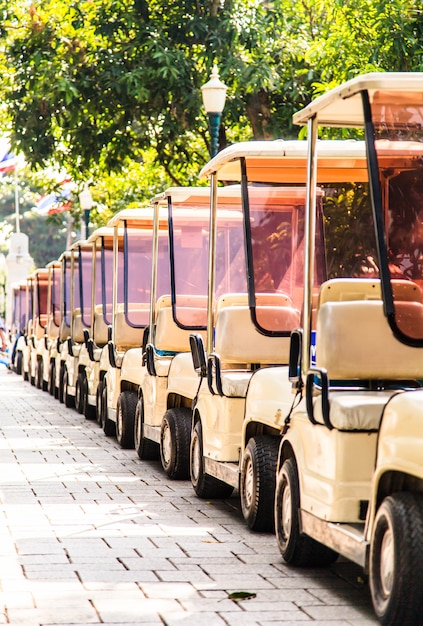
146 449
79 392
19 362
52 378
125 419
205 486
175 437
258 482
68 399
396 560
107 425
99 400
39 375
296 548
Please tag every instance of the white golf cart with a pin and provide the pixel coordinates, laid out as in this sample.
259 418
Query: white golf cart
237 412
350 472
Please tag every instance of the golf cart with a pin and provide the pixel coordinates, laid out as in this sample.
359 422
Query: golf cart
350 472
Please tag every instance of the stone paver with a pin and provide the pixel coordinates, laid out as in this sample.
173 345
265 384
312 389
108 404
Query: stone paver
89 534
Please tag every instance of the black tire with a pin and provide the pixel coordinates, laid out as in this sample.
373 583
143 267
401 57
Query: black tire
146 449
175 439
39 374
68 399
296 549
396 560
61 383
89 411
79 392
52 379
99 400
125 419
258 482
205 486
19 361
109 427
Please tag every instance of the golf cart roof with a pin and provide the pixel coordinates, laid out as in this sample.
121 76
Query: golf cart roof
342 106
285 161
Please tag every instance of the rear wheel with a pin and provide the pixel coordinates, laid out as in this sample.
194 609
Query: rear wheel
296 548
125 419
79 392
107 425
51 378
99 400
258 482
396 560
205 486
67 398
146 449
175 437
88 410
39 374
19 361
61 382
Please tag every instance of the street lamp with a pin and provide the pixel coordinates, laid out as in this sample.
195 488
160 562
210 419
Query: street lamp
214 96
86 202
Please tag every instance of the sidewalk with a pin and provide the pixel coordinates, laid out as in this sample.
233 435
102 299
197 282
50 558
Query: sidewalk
89 534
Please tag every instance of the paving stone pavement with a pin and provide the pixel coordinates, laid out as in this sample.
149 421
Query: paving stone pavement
89 534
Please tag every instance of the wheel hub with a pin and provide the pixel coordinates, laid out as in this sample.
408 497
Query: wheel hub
248 483
387 562
286 510
196 453
166 444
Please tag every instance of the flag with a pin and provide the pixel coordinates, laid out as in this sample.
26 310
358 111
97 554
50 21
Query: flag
7 158
55 202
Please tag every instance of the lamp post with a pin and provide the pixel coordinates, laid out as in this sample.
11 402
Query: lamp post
214 96
86 202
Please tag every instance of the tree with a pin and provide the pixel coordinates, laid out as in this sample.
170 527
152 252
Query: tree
93 84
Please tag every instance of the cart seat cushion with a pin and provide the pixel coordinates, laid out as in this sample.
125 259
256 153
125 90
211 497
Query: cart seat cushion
354 341
77 327
237 340
355 410
235 383
169 336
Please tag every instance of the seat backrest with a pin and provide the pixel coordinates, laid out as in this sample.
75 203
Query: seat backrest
64 331
39 326
237 340
354 340
52 330
77 327
100 328
127 336
169 336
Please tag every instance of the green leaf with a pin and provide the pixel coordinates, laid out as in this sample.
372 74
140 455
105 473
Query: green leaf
238 596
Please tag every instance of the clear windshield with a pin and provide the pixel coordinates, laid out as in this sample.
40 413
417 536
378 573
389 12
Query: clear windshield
349 247
22 308
105 275
137 276
276 258
190 245
41 300
66 274
55 295
16 311
30 301
76 291
398 125
189 236
85 284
